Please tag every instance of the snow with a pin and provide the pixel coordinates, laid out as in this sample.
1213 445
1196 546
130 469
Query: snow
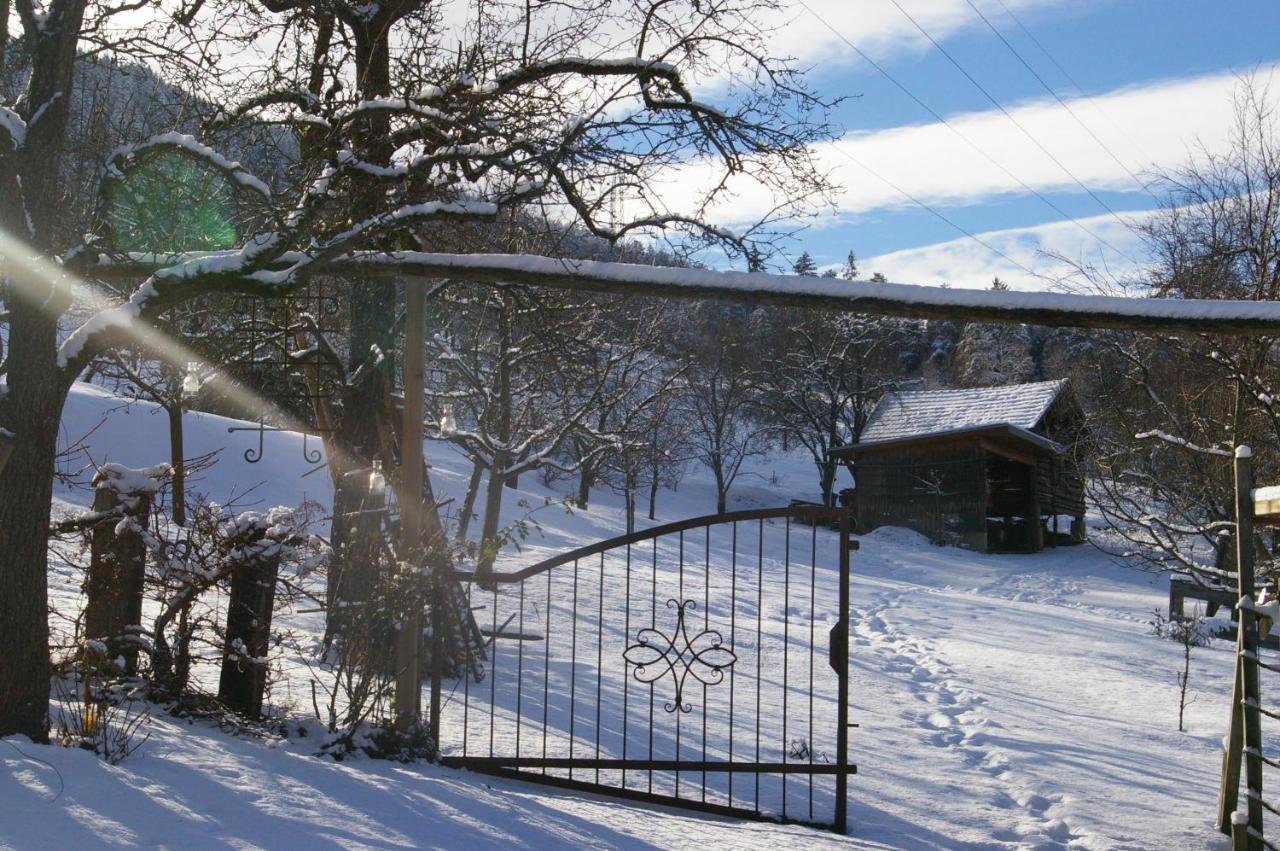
121 316
1267 494
127 480
1158 434
918 412
846 294
189 144
1266 608
1004 702
13 124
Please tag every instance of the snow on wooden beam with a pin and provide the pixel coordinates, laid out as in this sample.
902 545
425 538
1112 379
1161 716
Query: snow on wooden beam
1266 505
758 288
886 299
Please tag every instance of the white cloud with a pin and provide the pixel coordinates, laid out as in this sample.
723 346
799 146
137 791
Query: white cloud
963 262
1156 125
878 28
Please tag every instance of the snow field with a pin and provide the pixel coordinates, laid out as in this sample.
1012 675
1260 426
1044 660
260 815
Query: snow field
1004 702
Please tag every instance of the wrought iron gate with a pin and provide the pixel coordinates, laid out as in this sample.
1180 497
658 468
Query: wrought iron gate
702 663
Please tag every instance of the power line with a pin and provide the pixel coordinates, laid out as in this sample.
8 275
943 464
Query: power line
1056 97
930 209
1072 80
996 103
944 122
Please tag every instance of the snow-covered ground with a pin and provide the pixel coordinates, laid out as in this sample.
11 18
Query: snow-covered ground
1004 702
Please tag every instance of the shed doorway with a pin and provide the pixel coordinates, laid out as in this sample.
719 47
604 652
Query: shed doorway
1012 511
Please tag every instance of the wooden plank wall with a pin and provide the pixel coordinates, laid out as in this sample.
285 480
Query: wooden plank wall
936 489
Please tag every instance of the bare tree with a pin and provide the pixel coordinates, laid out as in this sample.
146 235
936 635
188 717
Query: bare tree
543 104
820 377
527 372
1167 411
721 397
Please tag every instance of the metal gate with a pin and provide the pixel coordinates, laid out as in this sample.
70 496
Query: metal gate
701 664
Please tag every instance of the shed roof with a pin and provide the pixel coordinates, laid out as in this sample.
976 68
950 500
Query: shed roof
916 413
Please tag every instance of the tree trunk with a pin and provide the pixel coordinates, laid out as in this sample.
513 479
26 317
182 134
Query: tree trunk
501 461
373 310
653 498
178 492
492 517
828 468
33 406
469 501
26 488
585 476
629 491
352 579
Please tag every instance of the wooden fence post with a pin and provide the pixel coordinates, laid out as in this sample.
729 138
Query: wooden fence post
1229 788
248 634
117 561
1250 704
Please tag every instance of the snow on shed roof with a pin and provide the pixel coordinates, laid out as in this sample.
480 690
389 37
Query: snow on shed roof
914 413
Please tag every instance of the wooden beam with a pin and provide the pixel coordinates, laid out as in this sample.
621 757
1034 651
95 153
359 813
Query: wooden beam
903 300
884 299
994 448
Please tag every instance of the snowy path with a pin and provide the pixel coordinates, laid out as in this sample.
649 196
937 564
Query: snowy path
1021 712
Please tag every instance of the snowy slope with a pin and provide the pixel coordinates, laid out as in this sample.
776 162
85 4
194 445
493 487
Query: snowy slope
1005 702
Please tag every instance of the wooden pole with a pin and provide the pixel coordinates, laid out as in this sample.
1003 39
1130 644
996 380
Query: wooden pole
1248 644
1229 788
408 673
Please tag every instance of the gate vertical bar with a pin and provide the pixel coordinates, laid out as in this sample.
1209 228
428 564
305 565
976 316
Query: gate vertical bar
842 674
1249 645
438 591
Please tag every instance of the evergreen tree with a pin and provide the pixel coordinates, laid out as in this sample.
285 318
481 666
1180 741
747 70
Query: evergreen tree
991 355
850 270
804 265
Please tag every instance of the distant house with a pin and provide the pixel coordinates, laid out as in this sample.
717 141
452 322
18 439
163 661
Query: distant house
989 468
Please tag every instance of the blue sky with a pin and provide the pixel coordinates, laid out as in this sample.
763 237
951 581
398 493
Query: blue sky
1157 79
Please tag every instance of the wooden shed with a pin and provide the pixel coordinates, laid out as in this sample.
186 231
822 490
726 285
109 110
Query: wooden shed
987 468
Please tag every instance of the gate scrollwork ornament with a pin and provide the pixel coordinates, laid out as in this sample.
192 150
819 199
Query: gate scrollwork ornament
657 654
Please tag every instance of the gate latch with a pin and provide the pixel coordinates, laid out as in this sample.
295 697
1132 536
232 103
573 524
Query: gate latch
838 639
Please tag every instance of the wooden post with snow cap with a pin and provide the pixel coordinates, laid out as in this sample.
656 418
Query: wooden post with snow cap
114 584
408 641
1248 694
